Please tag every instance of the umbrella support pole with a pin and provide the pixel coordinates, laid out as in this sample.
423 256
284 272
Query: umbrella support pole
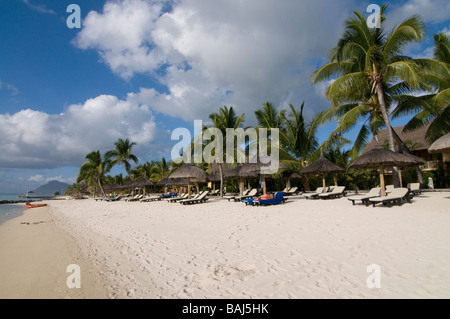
264 184
383 189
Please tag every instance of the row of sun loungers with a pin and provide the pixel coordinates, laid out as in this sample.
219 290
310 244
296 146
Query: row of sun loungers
249 193
394 196
199 198
291 191
329 192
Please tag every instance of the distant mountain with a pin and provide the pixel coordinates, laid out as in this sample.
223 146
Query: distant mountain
50 188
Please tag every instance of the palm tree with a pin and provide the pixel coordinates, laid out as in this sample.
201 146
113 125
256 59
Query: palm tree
225 118
370 69
268 117
122 155
159 169
94 170
433 107
299 140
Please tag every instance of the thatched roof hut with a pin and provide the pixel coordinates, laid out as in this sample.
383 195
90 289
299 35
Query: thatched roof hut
441 145
379 157
191 172
323 166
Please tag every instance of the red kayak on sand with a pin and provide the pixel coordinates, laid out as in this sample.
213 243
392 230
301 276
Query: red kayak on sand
29 205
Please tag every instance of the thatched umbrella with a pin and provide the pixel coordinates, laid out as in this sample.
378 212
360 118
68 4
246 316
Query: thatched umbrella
323 166
166 181
144 182
441 145
289 176
234 173
257 166
379 157
190 171
113 187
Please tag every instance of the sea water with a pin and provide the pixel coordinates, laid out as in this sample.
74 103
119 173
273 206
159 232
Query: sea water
9 211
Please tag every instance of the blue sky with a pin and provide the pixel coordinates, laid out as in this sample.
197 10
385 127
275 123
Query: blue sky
141 68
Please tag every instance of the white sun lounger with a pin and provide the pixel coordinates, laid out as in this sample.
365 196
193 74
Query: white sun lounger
318 191
397 196
364 198
337 191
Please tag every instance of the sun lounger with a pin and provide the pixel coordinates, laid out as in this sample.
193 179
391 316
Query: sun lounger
389 188
245 193
315 194
397 196
414 188
174 194
364 198
114 199
151 199
291 191
214 193
175 199
336 192
200 198
279 199
252 193
133 199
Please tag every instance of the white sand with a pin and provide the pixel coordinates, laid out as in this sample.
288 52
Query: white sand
302 249
34 255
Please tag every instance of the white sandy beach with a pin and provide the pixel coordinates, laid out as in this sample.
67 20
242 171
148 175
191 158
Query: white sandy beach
220 249
34 255
302 249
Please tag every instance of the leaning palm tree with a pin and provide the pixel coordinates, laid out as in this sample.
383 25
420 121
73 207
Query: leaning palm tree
432 107
225 118
370 68
94 170
122 155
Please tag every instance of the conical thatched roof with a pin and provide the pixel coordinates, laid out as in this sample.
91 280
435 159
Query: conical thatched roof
416 136
172 181
380 157
112 187
190 171
143 182
234 172
214 177
293 175
441 144
322 166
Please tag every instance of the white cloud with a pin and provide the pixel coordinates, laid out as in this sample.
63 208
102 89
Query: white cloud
59 178
121 35
11 88
37 139
446 31
432 11
36 178
214 53
38 8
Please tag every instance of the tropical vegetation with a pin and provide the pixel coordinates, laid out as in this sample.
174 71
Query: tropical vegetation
369 80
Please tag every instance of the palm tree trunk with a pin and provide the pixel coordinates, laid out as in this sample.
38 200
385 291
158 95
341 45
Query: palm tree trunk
380 94
101 188
306 185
